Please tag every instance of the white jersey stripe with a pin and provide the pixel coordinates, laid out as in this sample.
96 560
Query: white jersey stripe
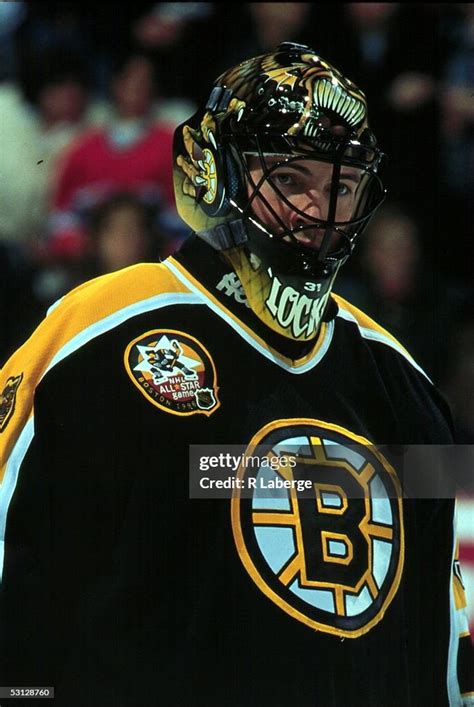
375 335
9 481
117 318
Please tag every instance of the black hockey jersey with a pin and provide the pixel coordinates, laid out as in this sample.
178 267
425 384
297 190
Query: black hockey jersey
119 588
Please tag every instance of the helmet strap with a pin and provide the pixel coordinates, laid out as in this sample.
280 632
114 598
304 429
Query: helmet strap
226 235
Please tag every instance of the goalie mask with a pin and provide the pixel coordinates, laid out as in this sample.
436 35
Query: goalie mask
279 172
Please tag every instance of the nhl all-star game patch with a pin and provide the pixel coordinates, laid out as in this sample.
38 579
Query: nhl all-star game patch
8 399
173 371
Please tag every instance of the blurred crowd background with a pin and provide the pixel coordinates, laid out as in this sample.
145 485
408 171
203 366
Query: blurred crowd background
90 94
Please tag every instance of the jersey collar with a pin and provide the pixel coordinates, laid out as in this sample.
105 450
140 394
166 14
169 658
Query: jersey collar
202 269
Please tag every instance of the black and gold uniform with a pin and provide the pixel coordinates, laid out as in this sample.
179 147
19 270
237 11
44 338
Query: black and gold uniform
119 589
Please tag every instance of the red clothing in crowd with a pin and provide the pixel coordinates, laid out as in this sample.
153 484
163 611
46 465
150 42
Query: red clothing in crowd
97 165
95 160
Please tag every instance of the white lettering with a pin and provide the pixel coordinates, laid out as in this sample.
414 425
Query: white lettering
293 309
232 287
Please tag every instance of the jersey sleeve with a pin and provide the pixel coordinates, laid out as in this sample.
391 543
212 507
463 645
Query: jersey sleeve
85 313
55 548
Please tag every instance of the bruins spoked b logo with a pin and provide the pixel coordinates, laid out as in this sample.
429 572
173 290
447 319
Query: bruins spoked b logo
173 371
333 559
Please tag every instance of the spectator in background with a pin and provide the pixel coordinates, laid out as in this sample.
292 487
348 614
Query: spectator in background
457 134
18 167
166 23
125 230
458 381
117 229
176 34
261 25
120 234
56 26
400 290
131 151
38 122
273 22
395 48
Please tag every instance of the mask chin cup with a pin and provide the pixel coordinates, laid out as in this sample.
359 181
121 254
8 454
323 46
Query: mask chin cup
289 304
